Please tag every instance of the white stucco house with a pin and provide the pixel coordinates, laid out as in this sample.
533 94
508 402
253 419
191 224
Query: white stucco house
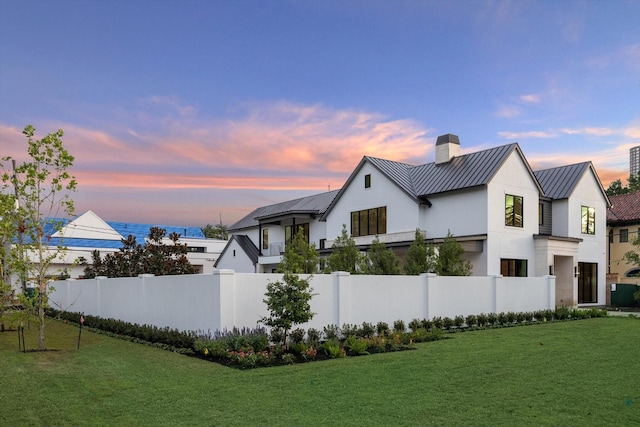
511 220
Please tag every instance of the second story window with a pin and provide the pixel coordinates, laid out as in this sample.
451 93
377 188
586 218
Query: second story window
624 235
290 232
265 238
367 181
588 220
513 211
369 222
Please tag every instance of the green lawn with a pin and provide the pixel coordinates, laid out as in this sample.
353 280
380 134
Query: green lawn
570 373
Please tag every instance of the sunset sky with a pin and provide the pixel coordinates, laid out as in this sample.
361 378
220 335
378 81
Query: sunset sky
185 112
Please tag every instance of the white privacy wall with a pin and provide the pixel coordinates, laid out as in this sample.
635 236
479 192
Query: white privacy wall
224 299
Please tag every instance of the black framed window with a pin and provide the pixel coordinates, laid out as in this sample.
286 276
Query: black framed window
513 267
369 222
588 220
367 181
587 282
513 210
624 235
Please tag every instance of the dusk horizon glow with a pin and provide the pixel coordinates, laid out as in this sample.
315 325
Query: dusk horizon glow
191 113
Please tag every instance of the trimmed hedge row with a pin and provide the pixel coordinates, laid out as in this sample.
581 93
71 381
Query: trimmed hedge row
250 348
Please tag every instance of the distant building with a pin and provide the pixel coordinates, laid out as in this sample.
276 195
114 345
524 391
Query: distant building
623 224
88 232
634 160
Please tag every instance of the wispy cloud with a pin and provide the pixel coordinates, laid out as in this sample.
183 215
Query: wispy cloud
527 134
277 145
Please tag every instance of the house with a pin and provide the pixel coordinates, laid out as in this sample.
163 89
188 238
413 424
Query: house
510 220
88 232
623 225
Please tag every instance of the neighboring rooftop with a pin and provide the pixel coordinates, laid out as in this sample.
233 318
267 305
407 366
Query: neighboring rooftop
310 205
625 209
90 231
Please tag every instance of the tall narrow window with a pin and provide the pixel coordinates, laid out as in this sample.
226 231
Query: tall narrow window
587 282
611 235
265 238
540 214
588 220
513 211
624 235
367 181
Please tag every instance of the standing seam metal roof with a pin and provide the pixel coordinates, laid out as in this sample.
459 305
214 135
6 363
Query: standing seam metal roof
559 183
316 204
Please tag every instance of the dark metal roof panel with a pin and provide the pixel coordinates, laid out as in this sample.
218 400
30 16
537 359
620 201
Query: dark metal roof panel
396 171
316 204
559 183
470 170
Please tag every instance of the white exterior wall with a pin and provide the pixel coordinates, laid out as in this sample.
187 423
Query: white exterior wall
464 213
505 241
235 258
226 299
402 210
560 219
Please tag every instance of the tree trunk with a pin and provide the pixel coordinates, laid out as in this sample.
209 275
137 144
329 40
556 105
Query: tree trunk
42 295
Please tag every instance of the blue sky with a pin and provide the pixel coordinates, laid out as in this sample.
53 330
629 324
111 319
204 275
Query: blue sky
185 112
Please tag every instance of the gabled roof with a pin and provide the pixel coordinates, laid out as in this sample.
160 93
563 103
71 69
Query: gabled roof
625 209
461 172
466 171
100 234
310 205
560 182
245 244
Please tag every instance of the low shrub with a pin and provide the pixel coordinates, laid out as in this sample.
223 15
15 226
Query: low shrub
471 320
415 324
398 326
458 321
331 332
333 349
368 330
356 346
382 328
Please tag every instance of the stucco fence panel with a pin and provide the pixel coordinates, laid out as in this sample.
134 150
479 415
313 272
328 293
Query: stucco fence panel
225 299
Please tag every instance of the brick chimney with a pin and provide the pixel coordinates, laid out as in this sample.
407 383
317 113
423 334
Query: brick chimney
447 147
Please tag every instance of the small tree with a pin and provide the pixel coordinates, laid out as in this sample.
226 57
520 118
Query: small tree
299 256
288 302
218 232
633 256
380 260
42 188
345 255
421 258
450 261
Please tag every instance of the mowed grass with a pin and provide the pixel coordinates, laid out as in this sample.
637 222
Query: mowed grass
568 373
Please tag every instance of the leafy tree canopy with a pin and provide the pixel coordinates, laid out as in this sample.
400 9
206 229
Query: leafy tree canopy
421 258
380 260
218 232
133 259
299 256
616 187
450 261
345 255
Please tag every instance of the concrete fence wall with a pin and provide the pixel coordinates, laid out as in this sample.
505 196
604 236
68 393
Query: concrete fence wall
226 299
